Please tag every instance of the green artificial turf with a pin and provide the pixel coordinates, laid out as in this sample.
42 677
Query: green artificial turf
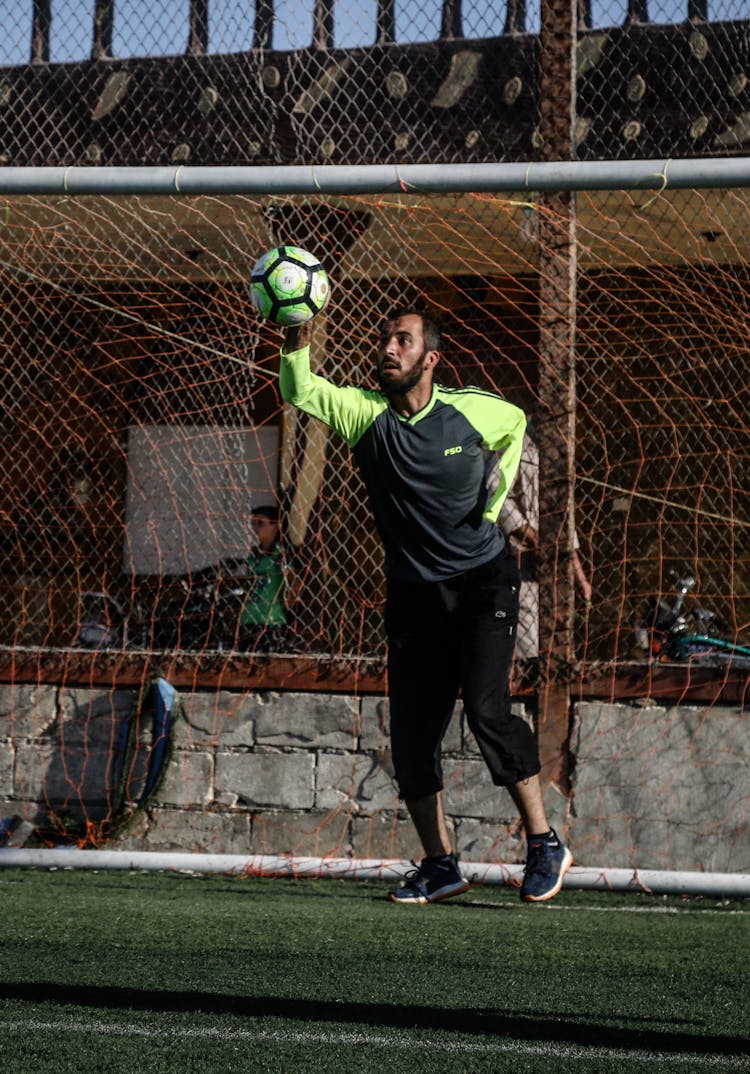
163 973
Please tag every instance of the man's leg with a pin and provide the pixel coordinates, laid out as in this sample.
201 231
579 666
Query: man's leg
527 796
438 876
422 687
429 820
505 740
547 859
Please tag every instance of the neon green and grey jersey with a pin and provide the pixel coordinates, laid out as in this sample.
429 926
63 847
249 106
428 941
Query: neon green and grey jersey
425 475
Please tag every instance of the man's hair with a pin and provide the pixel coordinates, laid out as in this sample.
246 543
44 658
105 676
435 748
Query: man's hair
431 331
266 510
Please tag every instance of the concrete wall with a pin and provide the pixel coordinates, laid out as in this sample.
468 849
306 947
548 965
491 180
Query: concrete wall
310 774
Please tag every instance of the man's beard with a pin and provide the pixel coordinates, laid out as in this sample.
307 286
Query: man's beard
400 385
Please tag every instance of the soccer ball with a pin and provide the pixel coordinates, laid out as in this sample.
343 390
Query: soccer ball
288 285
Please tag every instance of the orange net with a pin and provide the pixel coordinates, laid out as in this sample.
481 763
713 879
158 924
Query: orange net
143 425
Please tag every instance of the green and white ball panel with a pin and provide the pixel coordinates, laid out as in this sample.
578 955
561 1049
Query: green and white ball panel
288 280
261 299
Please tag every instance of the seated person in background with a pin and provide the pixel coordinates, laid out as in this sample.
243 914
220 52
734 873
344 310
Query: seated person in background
264 625
519 522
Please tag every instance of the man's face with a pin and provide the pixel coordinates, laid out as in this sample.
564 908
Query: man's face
401 356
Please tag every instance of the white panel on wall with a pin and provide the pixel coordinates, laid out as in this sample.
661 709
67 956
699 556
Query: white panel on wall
189 494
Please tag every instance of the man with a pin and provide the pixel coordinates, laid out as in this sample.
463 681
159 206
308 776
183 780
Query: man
519 522
452 587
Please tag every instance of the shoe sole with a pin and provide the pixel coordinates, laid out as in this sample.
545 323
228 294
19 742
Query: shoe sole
442 893
566 864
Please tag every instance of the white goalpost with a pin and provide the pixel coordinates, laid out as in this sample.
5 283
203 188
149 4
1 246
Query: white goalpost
535 176
136 240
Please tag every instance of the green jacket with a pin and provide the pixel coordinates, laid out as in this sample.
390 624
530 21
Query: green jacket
264 603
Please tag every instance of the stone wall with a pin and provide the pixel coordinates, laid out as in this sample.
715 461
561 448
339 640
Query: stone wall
310 775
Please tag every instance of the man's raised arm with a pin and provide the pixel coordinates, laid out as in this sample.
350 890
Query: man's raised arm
349 411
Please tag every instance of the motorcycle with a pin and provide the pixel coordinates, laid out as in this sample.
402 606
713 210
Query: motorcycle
196 612
670 630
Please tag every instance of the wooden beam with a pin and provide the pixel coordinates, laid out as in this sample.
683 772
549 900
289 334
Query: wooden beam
665 683
323 673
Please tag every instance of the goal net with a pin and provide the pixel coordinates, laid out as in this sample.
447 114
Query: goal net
143 426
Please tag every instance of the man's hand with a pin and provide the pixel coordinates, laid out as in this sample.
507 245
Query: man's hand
527 538
584 585
296 337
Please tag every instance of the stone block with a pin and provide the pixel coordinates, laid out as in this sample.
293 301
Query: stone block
374 730
265 778
311 721
188 780
210 718
75 767
316 834
26 711
7 764
387 836
362 783
659 787
501 843
188 831
93 717
67 778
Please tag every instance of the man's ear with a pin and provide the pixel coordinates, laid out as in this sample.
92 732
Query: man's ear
431 359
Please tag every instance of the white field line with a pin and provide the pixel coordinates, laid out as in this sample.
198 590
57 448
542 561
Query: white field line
562 907
382 1040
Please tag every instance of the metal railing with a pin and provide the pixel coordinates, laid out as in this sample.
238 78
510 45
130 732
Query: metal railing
34 32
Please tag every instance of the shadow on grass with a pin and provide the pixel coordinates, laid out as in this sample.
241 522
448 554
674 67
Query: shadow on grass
513 1025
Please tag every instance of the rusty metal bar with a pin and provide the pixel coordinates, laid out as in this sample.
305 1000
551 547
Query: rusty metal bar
198 33
41 23
451 20
323 25
263 32
637 12
386 23
556 419
515 17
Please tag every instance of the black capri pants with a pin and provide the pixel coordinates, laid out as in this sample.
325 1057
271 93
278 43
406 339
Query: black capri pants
450 637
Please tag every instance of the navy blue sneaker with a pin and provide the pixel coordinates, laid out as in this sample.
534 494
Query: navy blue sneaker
434 879
547 862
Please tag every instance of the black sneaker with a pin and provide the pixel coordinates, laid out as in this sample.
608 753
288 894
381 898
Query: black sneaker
434 879
547 862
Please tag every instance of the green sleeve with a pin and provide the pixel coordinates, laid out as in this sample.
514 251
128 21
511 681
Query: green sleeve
348 411
506 425
501 426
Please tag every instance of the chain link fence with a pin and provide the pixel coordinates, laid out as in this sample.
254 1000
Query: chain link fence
142 420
